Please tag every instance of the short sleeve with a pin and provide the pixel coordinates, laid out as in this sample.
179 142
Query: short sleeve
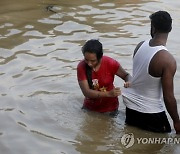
113 65
81 71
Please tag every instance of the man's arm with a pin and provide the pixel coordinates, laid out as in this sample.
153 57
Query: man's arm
168 72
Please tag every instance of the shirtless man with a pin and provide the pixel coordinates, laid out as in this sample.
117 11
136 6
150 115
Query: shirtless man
152 82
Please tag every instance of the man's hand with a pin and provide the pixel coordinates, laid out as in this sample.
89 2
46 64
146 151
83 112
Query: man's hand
177 127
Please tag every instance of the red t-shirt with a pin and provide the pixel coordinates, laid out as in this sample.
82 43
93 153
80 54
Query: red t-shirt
102 81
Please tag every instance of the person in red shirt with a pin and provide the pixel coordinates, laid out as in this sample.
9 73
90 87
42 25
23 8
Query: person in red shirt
95 74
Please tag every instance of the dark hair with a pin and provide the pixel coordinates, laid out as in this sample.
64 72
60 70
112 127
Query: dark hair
162 21
92 46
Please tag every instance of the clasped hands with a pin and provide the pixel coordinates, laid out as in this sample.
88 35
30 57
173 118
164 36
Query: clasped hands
117 91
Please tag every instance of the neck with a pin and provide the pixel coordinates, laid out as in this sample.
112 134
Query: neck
159 39
96 68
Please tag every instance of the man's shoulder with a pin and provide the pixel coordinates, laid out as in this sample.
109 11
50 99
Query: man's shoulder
162 61
164 56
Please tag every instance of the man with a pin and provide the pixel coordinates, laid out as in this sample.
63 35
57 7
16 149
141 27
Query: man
152 83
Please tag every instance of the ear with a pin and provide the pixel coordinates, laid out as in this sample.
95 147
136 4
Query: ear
153 31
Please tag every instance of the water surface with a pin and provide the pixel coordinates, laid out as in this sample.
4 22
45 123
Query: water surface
40 47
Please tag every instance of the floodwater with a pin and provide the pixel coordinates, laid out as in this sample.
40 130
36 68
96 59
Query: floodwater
40 100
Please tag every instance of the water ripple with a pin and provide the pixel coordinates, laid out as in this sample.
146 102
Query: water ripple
40 47
70 26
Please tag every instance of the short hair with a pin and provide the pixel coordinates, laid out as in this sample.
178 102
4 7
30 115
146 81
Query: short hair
93 46
162 21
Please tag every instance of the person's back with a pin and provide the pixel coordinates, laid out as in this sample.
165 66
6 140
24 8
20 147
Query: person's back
153 72
145 91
